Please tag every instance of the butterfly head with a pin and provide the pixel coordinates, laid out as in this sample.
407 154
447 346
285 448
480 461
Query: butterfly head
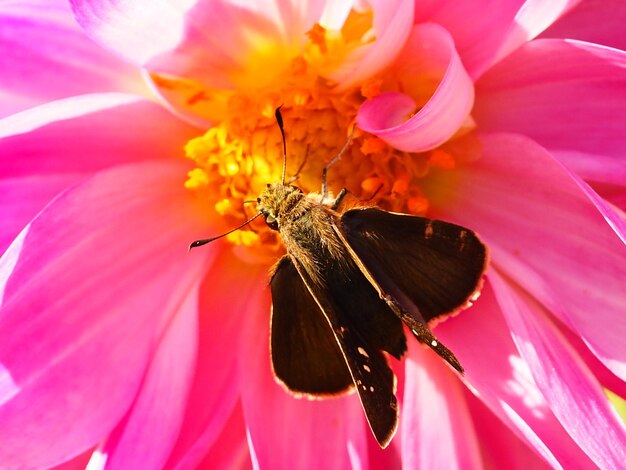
276 201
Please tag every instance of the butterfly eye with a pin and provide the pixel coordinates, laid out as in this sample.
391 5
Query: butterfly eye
271 221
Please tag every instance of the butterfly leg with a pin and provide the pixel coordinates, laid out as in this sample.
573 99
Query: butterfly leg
337 202
335 159
423 333
345 191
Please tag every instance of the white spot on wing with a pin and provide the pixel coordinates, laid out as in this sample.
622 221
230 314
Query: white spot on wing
428 231
362 351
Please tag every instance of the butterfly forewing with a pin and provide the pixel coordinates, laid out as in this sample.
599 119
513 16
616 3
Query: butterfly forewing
305 354
436 265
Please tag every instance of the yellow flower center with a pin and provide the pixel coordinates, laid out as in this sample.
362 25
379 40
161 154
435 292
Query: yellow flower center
243 151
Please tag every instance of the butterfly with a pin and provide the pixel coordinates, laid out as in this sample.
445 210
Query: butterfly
350 281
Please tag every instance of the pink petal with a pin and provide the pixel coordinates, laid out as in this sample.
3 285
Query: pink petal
388 458
77 463
500 447
573 394
533 17
286 432
478 32
599 21
156 30
44 55
548 236
493 31
616 195
230 289
394 117
612 215
606 378
173 39
334 14
534 94
500 378
46 149
231 450
436 426
73 125
160 405
210 41
85 291
22 198
392 26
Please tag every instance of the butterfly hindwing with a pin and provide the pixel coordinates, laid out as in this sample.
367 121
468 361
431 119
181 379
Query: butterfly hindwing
371 374
305 354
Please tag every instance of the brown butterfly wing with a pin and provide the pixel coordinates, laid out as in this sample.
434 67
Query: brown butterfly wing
436 265
305 354
371 374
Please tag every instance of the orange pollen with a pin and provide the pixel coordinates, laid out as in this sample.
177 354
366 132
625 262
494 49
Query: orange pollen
442 159
317 35
243 152
372 145
238 157
371 88
298 66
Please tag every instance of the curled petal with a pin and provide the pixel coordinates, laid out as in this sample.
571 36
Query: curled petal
77 330
407 125
392 26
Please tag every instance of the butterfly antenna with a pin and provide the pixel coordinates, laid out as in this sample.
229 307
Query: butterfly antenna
279 120
209 240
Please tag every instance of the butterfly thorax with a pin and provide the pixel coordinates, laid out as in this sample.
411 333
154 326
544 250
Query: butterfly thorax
304 224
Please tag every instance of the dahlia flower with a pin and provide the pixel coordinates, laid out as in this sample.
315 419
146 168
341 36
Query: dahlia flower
131 128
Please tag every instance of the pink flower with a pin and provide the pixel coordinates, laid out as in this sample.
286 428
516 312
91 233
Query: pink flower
119 349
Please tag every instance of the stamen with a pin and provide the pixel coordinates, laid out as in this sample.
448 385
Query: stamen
244 150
